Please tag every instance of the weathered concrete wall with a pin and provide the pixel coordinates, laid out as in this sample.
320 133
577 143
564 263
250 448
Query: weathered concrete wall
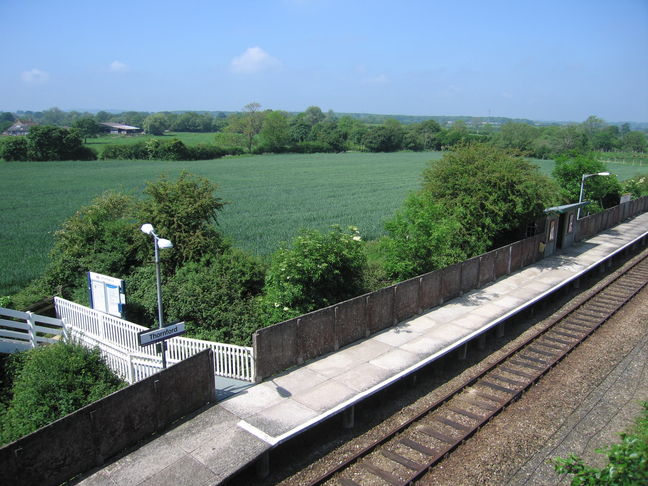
87 437
430 295
351 321
275 348
406 299
292 342
315 334
470 274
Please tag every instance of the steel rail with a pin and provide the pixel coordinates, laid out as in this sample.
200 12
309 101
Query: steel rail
536 356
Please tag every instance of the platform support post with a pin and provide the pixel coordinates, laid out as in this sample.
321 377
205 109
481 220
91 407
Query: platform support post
500 330
462 353
348 417
481 341
263 465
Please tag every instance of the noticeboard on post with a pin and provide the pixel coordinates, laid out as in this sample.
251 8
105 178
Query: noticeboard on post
107 294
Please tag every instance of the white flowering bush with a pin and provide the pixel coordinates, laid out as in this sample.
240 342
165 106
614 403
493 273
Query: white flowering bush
318 270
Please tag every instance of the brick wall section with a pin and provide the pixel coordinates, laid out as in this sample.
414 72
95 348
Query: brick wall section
89 436
292 342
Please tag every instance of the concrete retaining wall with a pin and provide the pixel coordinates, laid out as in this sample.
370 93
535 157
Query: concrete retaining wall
292 342
87 437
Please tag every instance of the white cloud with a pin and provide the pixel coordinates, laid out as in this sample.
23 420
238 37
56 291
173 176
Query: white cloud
118 67
253 60
34 76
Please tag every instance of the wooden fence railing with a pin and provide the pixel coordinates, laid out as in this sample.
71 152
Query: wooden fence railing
20 331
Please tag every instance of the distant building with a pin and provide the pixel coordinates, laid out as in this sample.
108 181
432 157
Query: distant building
119 129
19 128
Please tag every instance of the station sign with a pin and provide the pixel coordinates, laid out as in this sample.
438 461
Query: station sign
153 336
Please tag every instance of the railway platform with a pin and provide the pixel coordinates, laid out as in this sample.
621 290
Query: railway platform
219 441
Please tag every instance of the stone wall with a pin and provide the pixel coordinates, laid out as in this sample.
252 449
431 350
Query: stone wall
86 438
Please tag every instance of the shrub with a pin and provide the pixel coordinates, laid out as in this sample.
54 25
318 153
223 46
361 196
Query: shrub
422 237
627 461
216 297
318 270
311 147
14 149
53 381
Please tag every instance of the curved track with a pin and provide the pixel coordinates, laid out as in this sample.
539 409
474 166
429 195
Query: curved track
404 454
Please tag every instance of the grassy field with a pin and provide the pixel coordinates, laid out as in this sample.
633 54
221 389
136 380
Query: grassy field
271 197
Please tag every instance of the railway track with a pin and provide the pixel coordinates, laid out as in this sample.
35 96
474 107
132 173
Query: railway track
407 452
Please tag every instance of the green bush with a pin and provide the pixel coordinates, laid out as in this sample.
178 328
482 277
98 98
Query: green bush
602 191
637 186
319 270
311 147
422 237
627 461
216 297
14 149
51 382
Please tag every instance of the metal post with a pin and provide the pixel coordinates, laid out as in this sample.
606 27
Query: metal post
580 198
159 296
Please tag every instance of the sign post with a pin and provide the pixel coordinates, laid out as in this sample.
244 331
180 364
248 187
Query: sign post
153 336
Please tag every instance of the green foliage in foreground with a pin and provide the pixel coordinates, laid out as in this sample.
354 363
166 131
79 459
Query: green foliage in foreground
53 381
318 270
637 186
627 461
474 198
602 191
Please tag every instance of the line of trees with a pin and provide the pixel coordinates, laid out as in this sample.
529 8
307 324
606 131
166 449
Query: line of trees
255 130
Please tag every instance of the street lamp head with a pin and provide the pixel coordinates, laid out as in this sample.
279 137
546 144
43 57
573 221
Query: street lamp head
603 173
147 228
164 243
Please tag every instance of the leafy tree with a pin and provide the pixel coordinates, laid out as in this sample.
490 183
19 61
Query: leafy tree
87 127
319 269
384 138
635 142
603 191
249 123
56 143
299 130
274 133
422 237
328 132
101 237
313 115
54 381
491 193
517 136
156 124
6 120
185 212
14 149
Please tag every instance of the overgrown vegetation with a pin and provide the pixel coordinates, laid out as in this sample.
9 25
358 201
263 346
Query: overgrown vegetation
627 461
49 382
474 198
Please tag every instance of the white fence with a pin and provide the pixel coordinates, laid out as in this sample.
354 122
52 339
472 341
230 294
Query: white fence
117 340
16 335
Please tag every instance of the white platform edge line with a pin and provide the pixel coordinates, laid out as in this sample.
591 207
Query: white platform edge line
421 364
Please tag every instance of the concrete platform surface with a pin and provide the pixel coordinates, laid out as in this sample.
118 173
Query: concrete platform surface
226 437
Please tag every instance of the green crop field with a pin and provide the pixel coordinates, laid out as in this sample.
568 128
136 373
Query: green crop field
271 197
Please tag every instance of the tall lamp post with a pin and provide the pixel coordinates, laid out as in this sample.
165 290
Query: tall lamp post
157 244
586 176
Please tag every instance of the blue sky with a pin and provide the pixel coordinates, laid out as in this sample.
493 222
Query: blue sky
543 60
